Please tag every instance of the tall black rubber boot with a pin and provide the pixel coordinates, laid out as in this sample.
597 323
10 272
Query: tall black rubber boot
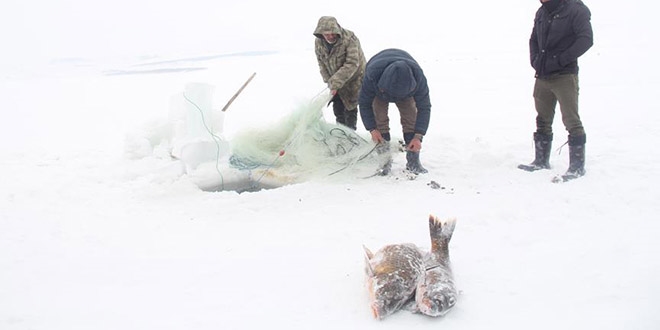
542 147
385 155
413 164
412 158
351 119
576 158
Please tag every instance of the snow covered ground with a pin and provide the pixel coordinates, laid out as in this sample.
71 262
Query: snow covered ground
93 239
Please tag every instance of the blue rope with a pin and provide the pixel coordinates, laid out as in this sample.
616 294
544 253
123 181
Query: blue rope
216 139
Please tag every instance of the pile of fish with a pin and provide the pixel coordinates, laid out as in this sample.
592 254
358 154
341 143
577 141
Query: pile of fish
403 276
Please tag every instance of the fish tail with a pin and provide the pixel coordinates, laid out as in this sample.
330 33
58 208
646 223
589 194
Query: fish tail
441 231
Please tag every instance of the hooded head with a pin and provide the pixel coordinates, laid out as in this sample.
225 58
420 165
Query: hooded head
327 25
551 5
397 81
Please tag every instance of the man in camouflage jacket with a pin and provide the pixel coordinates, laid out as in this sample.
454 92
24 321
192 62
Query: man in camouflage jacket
341 62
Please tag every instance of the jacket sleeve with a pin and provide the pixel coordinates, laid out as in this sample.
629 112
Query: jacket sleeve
584 37
350 66
533 48
322 68
365 100
534 43
423 101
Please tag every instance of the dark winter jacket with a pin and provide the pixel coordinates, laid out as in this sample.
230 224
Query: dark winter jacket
393 75
559 37
342 65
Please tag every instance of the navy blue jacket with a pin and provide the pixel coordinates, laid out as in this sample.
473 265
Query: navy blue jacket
560 37
393 75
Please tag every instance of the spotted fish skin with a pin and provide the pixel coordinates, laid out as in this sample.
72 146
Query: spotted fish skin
392 277
436 293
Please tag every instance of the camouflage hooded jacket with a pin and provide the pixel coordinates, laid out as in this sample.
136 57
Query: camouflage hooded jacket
342 66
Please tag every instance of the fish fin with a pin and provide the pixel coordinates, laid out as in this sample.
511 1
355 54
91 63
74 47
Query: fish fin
441 228
367 264
441 231
368 254
448 228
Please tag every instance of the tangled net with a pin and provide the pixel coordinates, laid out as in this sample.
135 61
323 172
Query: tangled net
303 146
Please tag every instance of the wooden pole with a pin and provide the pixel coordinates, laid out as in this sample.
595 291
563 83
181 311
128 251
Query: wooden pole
239 91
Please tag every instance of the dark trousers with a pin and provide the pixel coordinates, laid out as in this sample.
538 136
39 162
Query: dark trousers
346 117
565 90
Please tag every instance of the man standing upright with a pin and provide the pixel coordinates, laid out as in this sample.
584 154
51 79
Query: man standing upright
341 62
562 33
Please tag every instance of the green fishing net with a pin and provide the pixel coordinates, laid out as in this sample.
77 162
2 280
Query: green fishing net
303 145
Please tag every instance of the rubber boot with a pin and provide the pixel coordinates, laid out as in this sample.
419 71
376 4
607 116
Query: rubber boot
413 164
351 119
412 158
542 147
385 155
576 158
